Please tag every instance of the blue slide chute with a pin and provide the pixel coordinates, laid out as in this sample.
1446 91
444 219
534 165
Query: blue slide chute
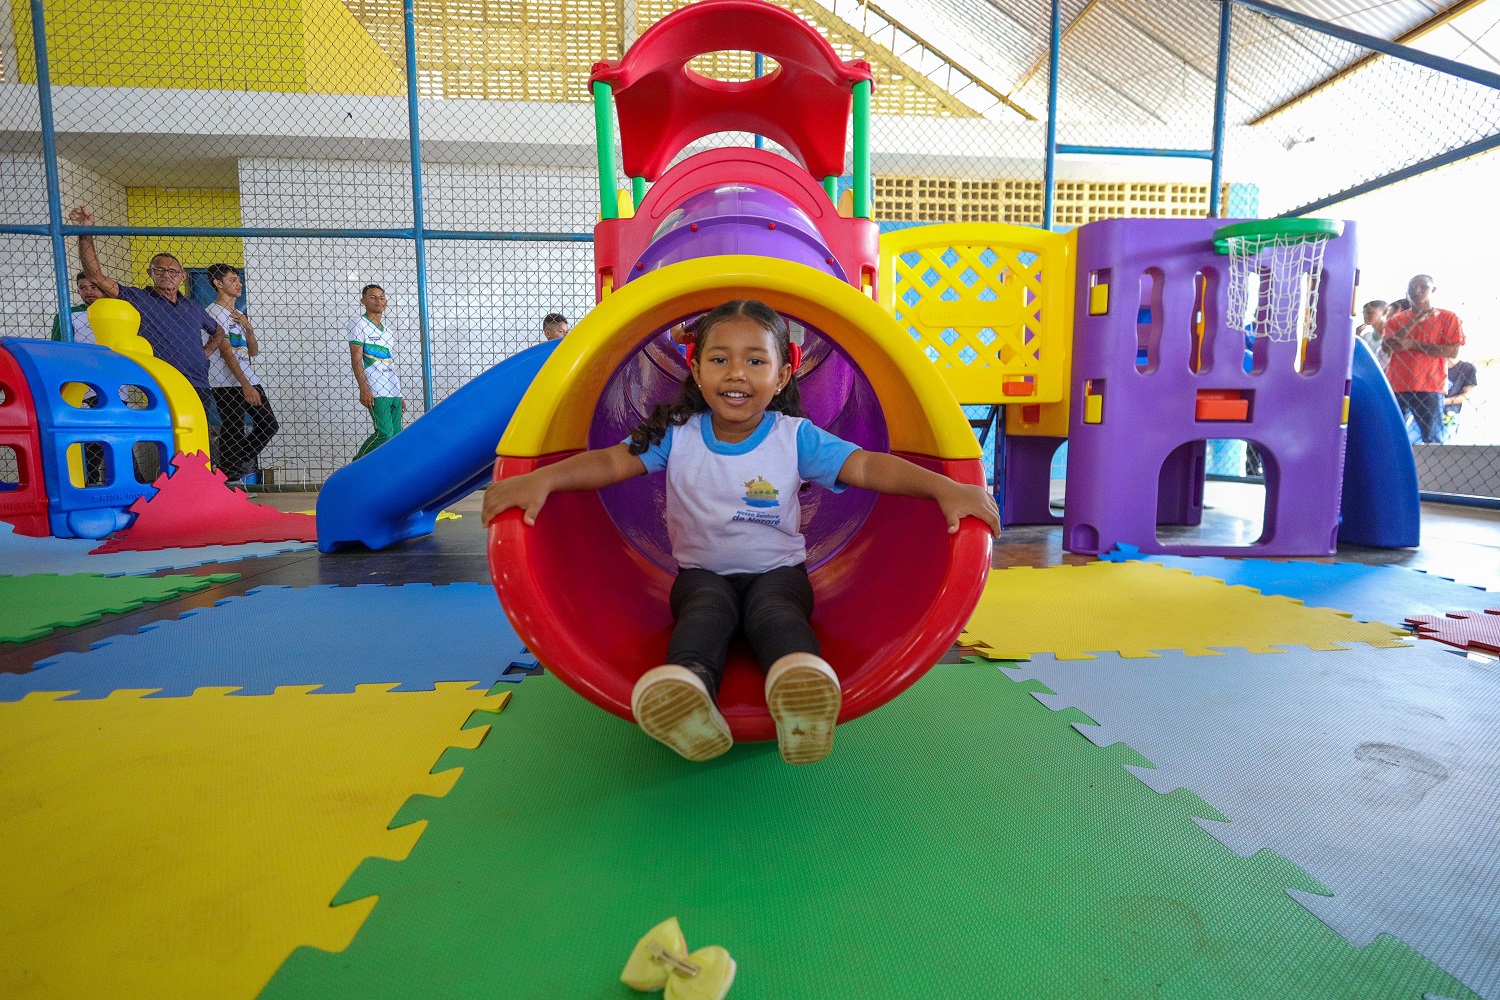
398 490
1382 505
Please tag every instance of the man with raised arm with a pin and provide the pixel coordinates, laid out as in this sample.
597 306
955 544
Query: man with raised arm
172 323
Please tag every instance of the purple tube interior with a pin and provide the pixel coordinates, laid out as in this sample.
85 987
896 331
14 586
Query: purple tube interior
738 219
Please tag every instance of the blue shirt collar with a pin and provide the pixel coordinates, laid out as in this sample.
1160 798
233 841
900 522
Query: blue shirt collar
718 447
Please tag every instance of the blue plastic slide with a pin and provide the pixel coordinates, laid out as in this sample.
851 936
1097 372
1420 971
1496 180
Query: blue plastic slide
397 491
1381 506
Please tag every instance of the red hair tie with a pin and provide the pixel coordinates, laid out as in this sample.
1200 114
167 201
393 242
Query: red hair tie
795 360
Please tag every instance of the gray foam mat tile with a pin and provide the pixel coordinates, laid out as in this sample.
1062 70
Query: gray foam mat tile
1375 770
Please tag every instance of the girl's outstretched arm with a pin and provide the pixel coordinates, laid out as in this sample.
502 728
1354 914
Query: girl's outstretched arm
883 473
588 470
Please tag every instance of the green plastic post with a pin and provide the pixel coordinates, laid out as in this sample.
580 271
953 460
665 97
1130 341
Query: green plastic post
604 136
864 188
831 186
638 190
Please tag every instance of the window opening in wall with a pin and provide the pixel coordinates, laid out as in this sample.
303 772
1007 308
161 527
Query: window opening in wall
82 395
1212 492
88 465
1200 359
148 459
1148 322
10 469
136 397
1057 487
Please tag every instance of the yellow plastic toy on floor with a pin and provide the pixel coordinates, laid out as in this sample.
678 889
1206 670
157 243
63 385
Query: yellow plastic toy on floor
661 961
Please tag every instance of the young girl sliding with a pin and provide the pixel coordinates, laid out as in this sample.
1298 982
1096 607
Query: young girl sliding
736 448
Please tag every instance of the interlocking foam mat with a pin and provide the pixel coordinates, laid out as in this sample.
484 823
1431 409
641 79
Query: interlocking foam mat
1370 593
336 637
182 847
1376 771
21 554
1136 608
962 841
1464 629
32 606
193 506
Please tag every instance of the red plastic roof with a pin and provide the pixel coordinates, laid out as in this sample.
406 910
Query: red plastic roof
663 106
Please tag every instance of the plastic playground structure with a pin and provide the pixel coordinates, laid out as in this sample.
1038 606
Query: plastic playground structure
1125 338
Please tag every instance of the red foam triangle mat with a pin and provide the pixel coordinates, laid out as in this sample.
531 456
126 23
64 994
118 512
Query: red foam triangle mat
193 506
1463 629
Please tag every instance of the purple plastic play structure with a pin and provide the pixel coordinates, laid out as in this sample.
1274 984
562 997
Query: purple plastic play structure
1142 463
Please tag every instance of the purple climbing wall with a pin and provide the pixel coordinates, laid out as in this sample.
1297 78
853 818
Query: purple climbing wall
1149 412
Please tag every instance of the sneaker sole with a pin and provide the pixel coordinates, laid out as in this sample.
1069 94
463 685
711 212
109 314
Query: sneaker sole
679 715
805 704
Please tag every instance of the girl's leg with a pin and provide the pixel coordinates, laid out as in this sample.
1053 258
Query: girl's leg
706 609
674 703
802 691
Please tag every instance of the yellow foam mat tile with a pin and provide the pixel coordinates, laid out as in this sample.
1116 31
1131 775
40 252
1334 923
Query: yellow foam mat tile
1133 608
183 847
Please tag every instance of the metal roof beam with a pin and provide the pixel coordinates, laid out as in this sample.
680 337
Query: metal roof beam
1427 26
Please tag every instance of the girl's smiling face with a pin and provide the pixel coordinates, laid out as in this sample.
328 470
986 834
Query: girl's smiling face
739 371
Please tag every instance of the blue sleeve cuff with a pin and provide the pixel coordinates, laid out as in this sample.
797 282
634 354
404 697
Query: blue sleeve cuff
821 456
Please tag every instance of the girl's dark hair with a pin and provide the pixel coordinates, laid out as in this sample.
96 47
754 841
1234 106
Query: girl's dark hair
690 400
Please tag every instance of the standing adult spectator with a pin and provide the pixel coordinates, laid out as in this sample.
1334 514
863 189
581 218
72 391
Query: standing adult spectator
375 369
1372 330
1462 378
1422 340
230 371
554 326
172 323
88 294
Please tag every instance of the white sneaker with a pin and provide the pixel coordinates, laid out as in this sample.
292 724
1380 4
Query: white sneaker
672 705
804 697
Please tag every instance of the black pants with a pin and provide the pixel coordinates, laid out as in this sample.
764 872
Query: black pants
773 608
1426 410
239 451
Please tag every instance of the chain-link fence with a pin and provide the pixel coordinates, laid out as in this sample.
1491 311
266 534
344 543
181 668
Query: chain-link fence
276 136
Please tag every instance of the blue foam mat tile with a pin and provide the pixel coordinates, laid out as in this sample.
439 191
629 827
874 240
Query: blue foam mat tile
1377 771
337 637
1369 593
22 555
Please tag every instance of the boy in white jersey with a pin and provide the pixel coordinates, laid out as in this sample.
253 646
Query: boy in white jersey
236 387
88 294
736 449
375 369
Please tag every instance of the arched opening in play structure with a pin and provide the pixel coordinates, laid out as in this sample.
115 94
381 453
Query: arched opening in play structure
587 587
1214 492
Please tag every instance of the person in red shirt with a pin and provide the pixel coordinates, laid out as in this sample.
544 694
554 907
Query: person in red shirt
1421 341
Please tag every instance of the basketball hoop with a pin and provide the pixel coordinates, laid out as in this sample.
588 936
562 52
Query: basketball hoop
1274 271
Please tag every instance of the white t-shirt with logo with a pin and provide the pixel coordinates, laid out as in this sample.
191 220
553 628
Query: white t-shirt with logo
218 372
734 508
380 365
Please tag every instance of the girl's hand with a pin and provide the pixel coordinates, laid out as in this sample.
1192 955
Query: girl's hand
959 500
525 492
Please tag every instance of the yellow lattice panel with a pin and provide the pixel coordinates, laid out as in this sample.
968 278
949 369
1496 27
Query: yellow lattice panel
991 306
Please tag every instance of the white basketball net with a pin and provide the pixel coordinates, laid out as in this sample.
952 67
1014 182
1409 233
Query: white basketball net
1273 284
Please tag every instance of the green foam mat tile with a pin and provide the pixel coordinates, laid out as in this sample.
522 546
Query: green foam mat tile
963 841
32 606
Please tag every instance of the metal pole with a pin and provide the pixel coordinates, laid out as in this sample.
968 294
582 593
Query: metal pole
1049 167
1395 177
49 156
864 184
760 71
1221 97
604 140
419 236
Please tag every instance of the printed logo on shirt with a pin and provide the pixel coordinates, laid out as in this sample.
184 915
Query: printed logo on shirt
759 493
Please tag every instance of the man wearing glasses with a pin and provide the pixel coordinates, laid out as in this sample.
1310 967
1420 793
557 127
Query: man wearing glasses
172 323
